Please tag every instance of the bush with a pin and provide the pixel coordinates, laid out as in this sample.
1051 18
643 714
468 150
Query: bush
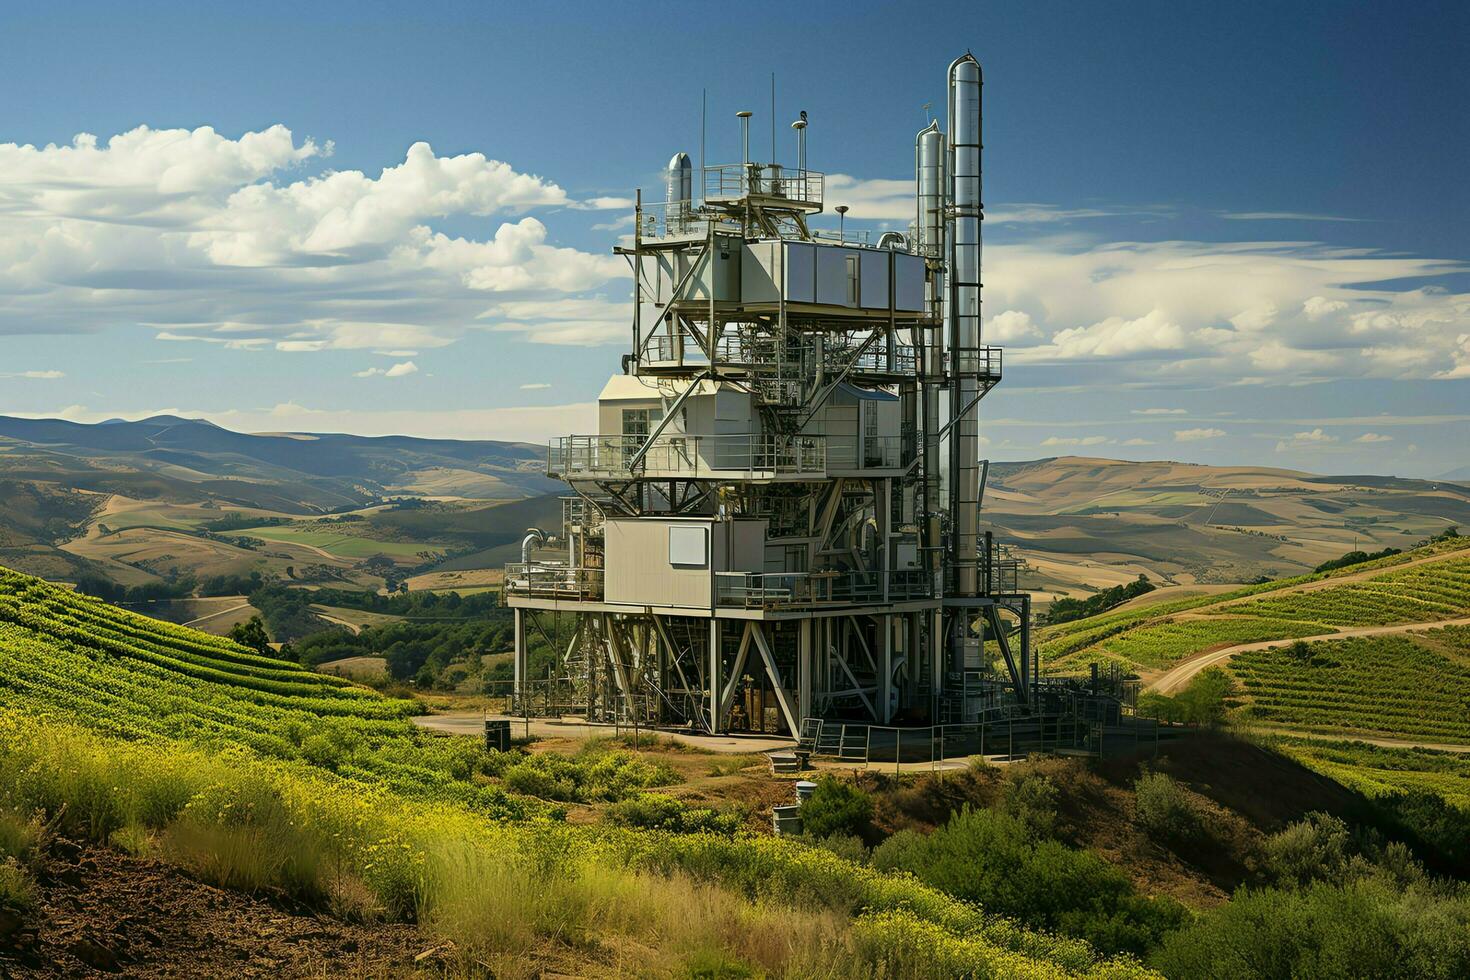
1165 809
1316 848
659 811
990 858
836 807
17 887
1365 929
1031 798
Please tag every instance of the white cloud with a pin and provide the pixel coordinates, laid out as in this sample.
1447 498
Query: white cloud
1074 441
576 322
1158 411
210 238
1119 337
1009 327
1316 307
603 204
1371 437
1137 442
401 370
1197 435
1312 438
37 375
535 386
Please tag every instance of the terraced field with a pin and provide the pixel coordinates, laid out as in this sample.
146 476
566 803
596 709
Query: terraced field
76 658
1425 585
1414 685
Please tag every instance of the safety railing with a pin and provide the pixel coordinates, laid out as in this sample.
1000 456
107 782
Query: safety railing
730 181
877 361
547 581
982 362
767 590
687 456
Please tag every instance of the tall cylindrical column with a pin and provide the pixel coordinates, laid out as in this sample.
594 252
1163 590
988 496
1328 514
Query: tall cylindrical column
963 318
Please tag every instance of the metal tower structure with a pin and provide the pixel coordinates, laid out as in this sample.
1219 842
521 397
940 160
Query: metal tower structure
779 516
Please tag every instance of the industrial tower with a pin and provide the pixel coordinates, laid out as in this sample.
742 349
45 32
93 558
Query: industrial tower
779 516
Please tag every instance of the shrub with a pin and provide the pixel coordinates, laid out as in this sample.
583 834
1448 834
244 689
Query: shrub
1364 929
1312 849
17 887
836 807
1165 809
989 857
1030 797
659 811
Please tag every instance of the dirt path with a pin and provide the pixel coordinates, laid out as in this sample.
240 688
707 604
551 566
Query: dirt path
217 615
352 628
1181 673
473 723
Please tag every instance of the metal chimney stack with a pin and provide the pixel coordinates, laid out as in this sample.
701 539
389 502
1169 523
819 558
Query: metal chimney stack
962 316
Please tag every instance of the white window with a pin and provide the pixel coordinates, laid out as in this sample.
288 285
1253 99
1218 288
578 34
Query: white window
689 546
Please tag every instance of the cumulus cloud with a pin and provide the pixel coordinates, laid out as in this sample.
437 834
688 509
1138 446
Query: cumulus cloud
1137 442
396 371
1306 440
1215 311
535 386
1009 327
1372 437
1197 435
212 238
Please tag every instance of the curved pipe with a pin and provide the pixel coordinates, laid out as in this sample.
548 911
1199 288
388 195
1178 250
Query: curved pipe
535 538
892 240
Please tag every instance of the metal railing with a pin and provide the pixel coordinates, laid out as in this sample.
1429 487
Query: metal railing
876 361
728 181
765 590
547 581
983 362
688 456
868 453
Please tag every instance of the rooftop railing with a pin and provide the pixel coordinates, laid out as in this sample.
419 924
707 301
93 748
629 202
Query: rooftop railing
983 362
731 181
774 590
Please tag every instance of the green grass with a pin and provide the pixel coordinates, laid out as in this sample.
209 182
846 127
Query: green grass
1414 685
1158 636
255 775
336 543
1375 770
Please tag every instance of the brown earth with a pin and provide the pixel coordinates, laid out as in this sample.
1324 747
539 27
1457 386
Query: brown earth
101 913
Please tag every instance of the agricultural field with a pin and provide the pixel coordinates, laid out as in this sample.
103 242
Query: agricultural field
1410 685
253 774
333 542
1430 584
1376 769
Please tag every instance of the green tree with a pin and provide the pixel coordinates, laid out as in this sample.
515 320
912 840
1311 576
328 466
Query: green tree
252 634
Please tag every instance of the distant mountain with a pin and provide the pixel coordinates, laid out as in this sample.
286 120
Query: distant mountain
1461 475
176 458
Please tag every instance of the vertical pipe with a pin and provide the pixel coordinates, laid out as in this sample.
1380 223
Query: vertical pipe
963 315
929 172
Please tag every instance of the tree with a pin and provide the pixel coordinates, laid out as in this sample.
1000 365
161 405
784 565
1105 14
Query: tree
252 634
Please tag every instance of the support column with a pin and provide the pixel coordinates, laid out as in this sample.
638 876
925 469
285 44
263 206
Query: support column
520 662
715 721
804 670
885 668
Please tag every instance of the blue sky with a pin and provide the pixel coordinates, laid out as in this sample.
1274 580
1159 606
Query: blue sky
1216 233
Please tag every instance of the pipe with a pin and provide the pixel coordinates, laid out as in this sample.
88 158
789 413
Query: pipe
962 313
929 170
535 538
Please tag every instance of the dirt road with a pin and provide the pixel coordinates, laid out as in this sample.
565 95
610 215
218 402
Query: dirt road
1181 673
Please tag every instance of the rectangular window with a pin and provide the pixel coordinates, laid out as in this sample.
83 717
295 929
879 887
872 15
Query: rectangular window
689 546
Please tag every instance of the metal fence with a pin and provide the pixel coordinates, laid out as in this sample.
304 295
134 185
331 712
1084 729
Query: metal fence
757 590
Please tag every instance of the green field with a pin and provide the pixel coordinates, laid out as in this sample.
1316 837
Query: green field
253 774
1414 685
336 543
1157 636
1375 770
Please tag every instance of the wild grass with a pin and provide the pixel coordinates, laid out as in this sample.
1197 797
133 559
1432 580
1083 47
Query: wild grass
506 893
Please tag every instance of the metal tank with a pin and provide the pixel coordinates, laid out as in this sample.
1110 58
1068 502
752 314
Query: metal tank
962 315
680 191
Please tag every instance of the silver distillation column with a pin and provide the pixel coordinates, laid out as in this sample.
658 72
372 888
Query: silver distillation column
962 313
929 174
